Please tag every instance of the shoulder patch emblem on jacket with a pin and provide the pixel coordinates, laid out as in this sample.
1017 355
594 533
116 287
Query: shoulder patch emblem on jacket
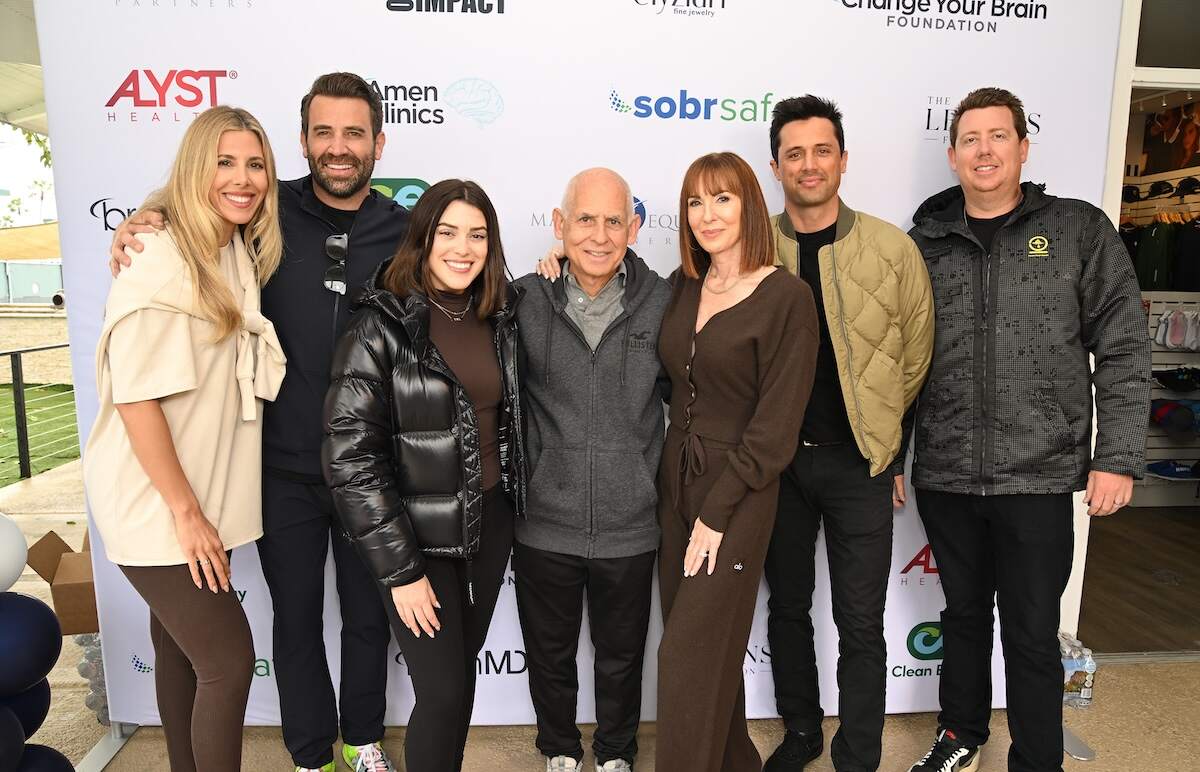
1039 246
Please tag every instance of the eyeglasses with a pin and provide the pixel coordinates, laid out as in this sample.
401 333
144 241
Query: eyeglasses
336 248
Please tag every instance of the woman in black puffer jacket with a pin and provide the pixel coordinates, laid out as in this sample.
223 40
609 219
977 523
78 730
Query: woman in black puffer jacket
424 454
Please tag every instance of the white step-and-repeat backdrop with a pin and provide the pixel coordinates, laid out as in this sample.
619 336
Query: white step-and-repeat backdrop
519 95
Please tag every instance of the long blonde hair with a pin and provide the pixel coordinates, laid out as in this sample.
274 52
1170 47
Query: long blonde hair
195 225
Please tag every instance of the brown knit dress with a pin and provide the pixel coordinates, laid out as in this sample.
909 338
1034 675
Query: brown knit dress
738 391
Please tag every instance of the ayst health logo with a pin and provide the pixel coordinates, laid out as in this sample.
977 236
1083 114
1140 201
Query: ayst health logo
693 106
166 95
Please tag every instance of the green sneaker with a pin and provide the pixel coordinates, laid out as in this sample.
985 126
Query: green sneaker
367 758
330 767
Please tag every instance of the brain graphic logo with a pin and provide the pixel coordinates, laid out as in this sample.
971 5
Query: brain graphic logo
475 99
617 103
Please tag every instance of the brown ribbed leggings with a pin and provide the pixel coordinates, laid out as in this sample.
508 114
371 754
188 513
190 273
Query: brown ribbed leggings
203 665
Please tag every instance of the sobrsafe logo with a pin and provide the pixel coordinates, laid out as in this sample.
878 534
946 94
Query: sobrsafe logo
165 96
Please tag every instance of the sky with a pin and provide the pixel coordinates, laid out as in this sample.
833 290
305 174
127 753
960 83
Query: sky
20 168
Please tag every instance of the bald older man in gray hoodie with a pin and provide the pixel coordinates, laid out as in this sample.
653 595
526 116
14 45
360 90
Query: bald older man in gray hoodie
593 393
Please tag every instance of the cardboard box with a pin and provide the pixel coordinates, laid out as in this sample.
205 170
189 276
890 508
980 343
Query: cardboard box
69 574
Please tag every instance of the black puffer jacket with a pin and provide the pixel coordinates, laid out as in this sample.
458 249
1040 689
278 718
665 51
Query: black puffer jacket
1007 406
401 449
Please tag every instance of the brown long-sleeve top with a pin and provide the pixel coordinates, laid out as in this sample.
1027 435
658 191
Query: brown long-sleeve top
745 383
470 351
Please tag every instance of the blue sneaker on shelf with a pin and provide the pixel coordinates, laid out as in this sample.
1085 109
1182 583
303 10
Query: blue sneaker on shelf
1172 470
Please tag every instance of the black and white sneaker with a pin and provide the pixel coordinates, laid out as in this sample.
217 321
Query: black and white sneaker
948 755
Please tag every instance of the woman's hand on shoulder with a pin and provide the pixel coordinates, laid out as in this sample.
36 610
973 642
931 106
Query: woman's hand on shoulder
415 603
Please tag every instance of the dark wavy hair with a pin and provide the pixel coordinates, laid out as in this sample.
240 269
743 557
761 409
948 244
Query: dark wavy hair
409 268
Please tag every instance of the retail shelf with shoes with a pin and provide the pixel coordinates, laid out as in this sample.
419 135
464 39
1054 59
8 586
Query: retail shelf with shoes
1173 442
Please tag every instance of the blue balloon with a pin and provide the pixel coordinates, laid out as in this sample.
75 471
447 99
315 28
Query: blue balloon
30 642
40 758
12 739
31 706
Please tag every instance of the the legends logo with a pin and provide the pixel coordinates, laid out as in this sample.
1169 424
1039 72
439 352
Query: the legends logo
691 8
950 15
939 111
173 96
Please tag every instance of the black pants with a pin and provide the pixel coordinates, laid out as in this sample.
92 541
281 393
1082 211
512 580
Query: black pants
443 668
550 592
832 484
1016 550
298 521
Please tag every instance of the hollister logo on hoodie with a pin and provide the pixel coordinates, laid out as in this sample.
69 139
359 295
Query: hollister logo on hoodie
642 341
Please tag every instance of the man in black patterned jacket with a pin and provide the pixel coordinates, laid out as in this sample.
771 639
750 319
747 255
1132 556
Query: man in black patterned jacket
1027 288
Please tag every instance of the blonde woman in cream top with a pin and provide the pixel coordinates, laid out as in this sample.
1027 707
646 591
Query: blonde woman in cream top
155 346
173 463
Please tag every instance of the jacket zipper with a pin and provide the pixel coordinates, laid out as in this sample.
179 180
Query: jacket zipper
845 333
592 409
983 403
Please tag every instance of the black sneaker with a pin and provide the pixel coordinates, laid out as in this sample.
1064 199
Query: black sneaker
948 755
796 750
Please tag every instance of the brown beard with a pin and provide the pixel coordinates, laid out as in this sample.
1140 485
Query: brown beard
342 188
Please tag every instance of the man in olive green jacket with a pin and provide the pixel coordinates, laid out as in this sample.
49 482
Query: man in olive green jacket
876 316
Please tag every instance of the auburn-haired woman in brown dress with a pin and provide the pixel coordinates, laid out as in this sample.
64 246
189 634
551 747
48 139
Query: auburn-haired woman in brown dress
739 341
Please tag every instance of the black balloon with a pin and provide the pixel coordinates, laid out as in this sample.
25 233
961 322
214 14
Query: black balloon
30 641
31 706
12 739
39 758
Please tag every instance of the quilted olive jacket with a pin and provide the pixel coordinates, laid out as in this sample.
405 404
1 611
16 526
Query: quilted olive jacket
879 308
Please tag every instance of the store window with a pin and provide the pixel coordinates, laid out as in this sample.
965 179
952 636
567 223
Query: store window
1170 34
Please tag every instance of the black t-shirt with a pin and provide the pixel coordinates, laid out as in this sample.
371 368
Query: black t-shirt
985 228
341 219
825 420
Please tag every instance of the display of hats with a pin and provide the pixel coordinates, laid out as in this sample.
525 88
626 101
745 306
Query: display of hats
1175 416
1160 188
1188 186
1130 194
1180 379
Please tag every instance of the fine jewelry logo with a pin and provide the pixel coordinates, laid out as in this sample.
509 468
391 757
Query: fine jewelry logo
1039 246
925 641
949 15
683 8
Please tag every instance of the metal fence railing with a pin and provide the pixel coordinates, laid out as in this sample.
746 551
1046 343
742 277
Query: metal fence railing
37 415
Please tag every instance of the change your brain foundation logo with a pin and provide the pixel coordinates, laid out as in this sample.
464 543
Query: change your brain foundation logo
950 15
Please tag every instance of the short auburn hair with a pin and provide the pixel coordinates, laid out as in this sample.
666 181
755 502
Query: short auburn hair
728 173
344 85
990 97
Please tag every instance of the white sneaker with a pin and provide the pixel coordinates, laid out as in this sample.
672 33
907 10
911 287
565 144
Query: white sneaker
367 758
563 764
615 765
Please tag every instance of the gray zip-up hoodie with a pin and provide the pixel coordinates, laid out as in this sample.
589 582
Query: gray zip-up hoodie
595 420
